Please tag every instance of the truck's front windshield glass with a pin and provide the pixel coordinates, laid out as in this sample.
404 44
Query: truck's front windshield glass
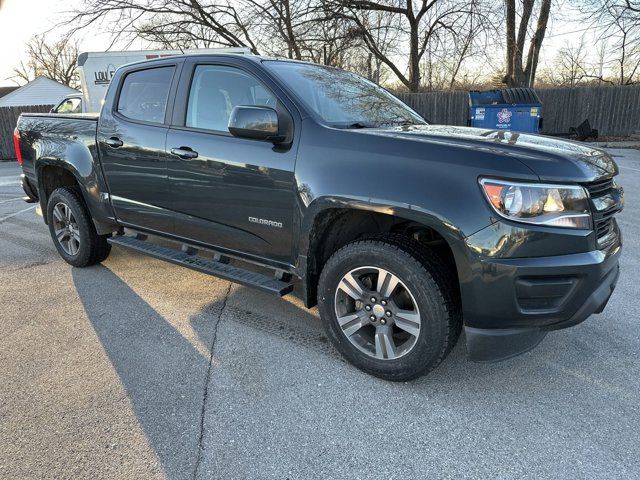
343 99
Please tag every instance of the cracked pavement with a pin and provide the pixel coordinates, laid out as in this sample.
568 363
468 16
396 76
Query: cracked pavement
212 349
142 369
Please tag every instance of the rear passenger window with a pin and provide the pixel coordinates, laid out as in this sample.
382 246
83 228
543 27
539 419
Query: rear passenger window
144 94
215 90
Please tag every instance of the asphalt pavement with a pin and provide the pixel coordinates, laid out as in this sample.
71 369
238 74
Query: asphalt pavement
141 369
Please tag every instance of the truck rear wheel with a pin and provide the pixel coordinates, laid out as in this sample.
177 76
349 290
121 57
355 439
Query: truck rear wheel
388 308
72 229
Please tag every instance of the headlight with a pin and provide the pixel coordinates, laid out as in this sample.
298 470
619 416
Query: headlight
553 205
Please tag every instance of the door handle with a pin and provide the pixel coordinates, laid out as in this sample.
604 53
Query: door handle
113 142
184 152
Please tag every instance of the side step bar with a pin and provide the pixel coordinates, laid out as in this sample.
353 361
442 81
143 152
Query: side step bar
210 267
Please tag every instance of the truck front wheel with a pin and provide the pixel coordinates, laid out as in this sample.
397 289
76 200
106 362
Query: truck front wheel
72 229
388 308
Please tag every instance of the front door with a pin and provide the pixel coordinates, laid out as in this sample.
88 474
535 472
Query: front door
132 137
229 192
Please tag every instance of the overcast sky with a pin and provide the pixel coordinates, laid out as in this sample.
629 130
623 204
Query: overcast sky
21 19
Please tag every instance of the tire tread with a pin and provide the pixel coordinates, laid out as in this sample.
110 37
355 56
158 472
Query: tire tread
428 263
98 247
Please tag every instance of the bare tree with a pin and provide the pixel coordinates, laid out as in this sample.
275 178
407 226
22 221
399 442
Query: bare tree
420 26
445 65
175 22
302 29
341 44
601 61
284 25
622 22
569 67
571 62
156 32
617 23
521 70
53 59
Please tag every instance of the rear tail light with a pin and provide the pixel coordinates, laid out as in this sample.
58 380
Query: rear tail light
16 146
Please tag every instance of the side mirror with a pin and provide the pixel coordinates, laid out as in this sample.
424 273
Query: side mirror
259 123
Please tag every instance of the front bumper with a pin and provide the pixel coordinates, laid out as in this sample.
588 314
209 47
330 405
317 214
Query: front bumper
518 300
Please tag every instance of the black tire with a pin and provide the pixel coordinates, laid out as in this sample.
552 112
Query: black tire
93 248
427 278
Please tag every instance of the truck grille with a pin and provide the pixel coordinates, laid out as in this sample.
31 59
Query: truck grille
604 224
599 188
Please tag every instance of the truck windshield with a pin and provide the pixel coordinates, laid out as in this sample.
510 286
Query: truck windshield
343 99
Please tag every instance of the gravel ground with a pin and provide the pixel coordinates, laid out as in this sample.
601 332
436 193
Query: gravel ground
141 369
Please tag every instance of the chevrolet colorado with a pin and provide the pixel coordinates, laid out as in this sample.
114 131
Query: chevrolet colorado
403 233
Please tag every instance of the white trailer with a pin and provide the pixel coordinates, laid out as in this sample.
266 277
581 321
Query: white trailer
97 68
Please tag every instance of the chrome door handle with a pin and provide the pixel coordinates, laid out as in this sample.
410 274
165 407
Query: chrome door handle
113 142
184 152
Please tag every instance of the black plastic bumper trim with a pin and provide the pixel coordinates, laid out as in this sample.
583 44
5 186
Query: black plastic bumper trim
28 189
493 345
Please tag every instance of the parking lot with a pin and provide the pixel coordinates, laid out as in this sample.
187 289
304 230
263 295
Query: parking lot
138 368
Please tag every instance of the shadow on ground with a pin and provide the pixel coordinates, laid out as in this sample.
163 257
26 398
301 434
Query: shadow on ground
163 374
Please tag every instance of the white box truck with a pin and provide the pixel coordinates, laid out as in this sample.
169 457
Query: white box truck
97 68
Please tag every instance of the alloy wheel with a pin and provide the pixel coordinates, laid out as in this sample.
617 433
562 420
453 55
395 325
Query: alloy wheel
377 313
66 228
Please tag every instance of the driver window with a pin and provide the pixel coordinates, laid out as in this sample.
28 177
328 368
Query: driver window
215 90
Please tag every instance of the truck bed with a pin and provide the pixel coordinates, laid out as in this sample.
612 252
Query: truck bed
51 136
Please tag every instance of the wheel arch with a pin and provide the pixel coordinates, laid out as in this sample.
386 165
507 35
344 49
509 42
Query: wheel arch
52 174
80 172
331 224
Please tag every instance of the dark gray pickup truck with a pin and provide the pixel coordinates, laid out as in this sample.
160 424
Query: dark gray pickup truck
265 172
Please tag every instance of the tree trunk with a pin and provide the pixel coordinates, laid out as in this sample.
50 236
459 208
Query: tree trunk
291 36
414 59
516 74
536 43
519 77
511 39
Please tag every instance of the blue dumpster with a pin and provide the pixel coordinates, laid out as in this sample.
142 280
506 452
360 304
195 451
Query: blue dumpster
517 109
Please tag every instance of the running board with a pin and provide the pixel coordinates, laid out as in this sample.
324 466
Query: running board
204 265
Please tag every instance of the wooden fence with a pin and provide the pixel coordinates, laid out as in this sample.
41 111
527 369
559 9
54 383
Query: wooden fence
8 119
614 111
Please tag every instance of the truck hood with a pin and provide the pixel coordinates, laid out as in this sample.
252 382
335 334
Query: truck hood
551 159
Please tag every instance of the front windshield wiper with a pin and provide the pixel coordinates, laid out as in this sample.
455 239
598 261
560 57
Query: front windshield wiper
356 125
404 123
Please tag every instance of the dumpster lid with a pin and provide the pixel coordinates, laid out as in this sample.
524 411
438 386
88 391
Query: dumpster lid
507 96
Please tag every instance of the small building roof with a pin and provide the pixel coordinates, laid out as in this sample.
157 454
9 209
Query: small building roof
41 91
5 90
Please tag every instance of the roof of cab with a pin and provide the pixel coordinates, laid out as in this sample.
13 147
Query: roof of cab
253 58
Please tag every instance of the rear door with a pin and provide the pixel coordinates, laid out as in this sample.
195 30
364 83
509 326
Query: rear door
131 137
232 192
